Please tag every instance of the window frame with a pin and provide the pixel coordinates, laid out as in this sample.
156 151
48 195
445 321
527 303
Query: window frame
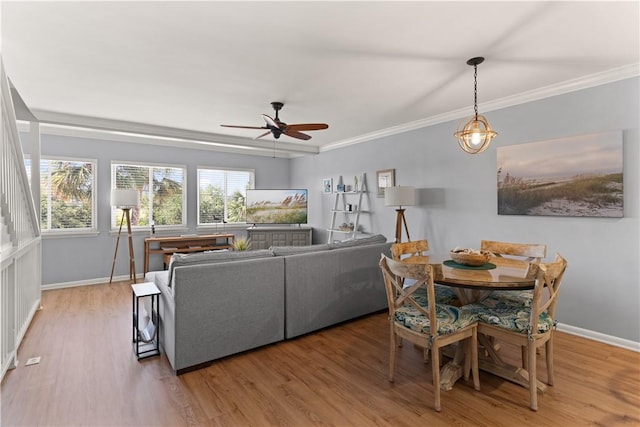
252 183
93 229
114 225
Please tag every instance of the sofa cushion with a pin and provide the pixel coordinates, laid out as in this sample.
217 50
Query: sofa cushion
291 250
378 238
179 260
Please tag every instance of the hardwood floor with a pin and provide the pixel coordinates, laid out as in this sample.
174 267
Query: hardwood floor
89 376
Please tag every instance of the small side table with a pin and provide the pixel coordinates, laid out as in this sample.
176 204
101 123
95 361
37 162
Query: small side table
146 341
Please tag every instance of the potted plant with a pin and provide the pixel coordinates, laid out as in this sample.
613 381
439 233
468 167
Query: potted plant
241 244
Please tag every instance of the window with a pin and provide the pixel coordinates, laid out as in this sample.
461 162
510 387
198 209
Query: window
221 195
161 189
67 200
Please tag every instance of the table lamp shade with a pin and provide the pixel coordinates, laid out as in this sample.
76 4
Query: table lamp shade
124 198
400 196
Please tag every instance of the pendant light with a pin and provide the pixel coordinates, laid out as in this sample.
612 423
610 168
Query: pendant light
475 136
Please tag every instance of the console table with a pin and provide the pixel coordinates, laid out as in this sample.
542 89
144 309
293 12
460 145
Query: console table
265 237
185 244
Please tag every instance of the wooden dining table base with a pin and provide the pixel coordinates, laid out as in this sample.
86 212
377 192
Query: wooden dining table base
489 360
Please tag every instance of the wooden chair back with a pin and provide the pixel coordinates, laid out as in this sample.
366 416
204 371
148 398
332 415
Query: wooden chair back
547 288
409 249
531 252
395 273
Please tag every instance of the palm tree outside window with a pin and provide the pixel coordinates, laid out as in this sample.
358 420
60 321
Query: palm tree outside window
162 196
67 199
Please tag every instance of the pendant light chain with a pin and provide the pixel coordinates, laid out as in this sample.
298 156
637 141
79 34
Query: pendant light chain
475 90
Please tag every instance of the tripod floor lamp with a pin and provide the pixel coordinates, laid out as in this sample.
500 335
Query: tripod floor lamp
125 199
400 196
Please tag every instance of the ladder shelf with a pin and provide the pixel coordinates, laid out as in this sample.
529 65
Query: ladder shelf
347 204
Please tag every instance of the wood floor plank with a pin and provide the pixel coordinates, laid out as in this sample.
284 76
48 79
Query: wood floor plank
89 376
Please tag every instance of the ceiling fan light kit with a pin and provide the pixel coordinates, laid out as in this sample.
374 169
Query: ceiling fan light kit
276 127
476 134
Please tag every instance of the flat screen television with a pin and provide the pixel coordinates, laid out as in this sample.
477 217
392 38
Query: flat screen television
277 206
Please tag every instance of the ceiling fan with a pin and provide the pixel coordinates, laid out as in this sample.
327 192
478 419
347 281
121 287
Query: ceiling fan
277 128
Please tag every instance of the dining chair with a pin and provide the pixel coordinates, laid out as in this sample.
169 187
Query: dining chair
414 252
529 252
529 326
420 321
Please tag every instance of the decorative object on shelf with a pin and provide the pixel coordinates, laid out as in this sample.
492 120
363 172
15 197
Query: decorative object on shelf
355 183
400 196
241 244
385 178
346 227
125 199
340 188
471 257
476 134
327 185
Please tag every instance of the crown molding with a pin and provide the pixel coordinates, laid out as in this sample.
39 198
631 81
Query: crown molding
585 82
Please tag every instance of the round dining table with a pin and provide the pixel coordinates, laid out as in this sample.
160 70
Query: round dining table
473 284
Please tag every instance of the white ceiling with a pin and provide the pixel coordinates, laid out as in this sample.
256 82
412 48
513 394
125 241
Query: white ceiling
365 68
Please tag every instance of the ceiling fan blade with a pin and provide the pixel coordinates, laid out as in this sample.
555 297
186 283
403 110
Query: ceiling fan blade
244 127
264 134
270 121
296 134
308 126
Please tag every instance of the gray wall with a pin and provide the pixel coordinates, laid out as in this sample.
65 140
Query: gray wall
457 198
71 259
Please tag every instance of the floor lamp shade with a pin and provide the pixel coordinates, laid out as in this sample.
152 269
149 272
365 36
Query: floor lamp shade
400 196
124 198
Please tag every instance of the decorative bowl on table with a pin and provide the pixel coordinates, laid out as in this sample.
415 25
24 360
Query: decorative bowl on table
470 257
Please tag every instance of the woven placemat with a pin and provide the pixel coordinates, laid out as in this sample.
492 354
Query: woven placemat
453 264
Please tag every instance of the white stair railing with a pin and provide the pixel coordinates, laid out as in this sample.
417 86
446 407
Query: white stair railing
20 257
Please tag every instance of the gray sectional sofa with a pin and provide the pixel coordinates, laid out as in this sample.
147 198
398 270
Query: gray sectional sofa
220 303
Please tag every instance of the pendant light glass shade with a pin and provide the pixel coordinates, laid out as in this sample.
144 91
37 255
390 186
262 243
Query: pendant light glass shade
476 134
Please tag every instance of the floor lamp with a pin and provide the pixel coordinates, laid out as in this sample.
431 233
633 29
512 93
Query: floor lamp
125 199
400 196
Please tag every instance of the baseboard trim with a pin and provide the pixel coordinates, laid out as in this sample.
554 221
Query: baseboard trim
97 281
598 336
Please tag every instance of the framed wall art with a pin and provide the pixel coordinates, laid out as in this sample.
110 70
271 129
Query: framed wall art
575 176
327 185
385 178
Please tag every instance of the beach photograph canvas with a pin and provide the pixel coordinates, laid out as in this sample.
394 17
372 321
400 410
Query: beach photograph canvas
575 176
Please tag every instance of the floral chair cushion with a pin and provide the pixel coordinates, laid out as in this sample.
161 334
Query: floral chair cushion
508 314
520 297
450 318
444 295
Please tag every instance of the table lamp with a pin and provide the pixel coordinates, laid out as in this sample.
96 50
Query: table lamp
125 199
400 196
